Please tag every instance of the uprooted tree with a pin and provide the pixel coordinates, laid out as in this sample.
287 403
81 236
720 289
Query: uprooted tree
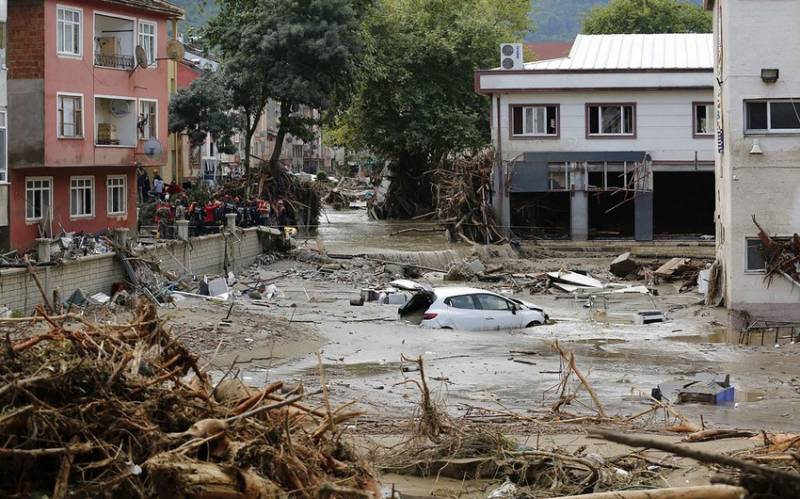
414 100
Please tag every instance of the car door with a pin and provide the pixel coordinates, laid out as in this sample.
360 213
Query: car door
497 311
463 313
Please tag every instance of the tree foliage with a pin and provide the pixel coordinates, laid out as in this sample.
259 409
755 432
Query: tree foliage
300 53
414 99
647 16
203 109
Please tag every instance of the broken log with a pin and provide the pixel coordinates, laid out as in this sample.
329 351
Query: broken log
700 492
181 478
707 435
700 456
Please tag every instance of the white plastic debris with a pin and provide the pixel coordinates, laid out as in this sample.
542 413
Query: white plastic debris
506 491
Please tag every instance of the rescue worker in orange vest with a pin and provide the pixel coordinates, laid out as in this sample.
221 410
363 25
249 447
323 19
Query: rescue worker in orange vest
264 211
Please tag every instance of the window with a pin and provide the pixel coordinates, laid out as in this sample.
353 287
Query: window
68 36
81 196
70 116
147 39
148 119
611 119
755 256
703 118
773 116
2 44
117 194
492 302
463 302
116 121
37 198
535 121
3 148
115 41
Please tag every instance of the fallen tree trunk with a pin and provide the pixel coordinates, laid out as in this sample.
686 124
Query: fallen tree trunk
701 492
177 477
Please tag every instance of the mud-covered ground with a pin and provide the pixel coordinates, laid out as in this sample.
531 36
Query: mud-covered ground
501 371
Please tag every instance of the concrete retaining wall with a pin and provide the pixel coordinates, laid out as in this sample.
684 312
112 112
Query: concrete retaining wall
96 273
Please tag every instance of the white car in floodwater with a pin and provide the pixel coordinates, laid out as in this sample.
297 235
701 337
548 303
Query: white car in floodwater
470 309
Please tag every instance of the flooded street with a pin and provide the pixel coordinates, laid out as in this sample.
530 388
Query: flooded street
515 370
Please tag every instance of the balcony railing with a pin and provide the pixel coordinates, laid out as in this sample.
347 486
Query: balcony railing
114 61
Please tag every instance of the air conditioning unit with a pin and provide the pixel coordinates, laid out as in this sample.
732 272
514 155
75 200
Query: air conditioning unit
511 56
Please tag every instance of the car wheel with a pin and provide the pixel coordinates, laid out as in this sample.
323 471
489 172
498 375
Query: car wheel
447 327
534 324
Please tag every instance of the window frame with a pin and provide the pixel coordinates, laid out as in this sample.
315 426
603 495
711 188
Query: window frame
109 197
139 109
479 305
709 119
93 192
769 130
79 53
529 136
82 134
151 63
135 102
49 181
622 106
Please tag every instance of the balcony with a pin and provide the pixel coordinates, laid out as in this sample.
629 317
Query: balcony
114 42
117 61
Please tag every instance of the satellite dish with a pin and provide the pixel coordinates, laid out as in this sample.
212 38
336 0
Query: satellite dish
120 108
175 50
141 57
153 148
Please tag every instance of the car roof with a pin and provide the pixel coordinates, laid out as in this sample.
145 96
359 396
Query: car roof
450 291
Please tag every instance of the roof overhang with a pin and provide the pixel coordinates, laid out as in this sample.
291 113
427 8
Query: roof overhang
536 81
160 6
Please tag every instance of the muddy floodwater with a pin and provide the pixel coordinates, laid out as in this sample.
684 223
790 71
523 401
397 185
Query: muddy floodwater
361 346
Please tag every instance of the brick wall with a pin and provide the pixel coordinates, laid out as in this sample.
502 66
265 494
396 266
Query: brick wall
25 59
96 273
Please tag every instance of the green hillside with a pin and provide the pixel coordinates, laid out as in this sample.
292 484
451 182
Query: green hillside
555 20
560 20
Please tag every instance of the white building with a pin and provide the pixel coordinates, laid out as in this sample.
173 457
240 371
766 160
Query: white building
758 162
614 140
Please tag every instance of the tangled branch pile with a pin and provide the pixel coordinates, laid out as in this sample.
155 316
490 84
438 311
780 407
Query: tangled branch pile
462 194
93 410
782 257
441 446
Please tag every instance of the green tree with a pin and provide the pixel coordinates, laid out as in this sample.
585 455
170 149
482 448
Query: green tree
203 109
647 16
414 100
300 53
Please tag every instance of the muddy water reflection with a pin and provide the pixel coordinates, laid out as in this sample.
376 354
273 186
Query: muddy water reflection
351 231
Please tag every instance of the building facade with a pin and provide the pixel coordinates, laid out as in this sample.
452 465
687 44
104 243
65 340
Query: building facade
758 149
4 178
85 110
614 140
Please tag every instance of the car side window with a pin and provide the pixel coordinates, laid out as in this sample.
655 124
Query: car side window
491 302
464 302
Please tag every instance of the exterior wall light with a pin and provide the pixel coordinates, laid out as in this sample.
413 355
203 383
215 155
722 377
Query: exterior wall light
769 75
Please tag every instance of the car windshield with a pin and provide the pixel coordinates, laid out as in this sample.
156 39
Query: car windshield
492 302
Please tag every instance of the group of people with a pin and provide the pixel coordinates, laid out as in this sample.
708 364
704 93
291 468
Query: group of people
203 217
157 190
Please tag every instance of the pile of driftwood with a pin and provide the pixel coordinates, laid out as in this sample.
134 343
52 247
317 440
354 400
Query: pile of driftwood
462 195
782 257
124 410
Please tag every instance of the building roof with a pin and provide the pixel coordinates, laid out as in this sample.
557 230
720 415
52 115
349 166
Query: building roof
161 6
549 50
679 51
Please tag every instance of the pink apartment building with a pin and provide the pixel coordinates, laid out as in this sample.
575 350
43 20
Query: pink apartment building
82 110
